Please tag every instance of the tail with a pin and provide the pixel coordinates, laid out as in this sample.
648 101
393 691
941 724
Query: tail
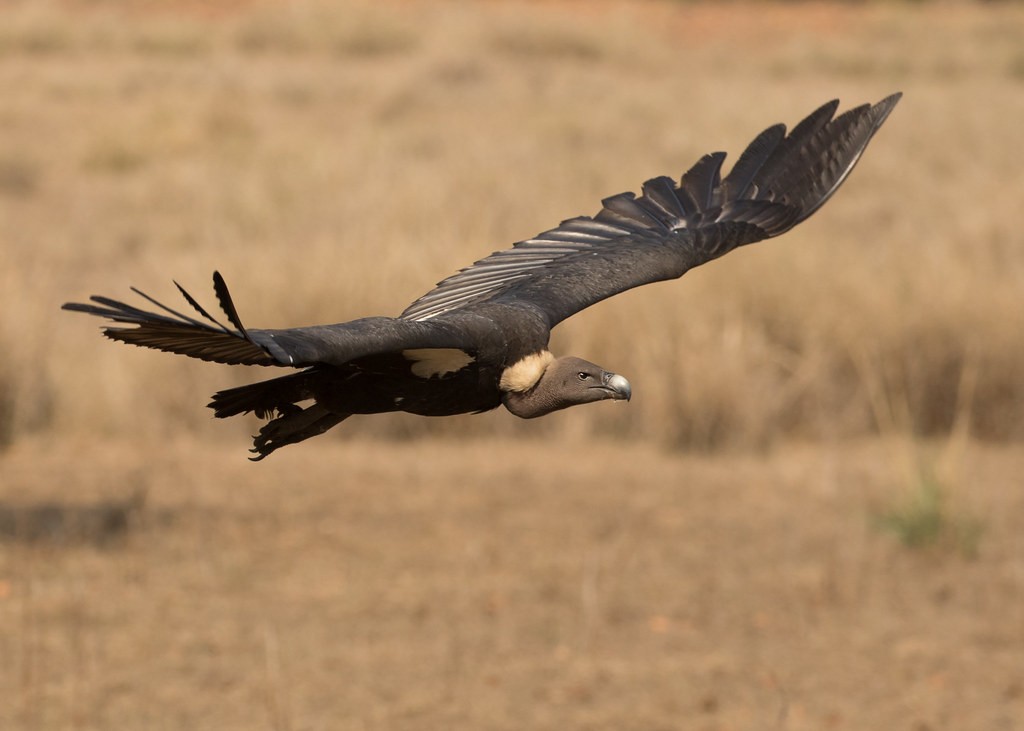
282 396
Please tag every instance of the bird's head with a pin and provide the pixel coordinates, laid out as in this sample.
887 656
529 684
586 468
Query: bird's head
566 382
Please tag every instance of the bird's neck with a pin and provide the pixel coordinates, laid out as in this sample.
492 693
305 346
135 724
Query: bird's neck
530 404
521 388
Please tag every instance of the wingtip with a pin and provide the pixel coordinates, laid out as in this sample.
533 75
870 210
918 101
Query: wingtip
830 108
884 108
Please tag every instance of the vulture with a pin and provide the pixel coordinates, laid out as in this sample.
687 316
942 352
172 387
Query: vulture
479 339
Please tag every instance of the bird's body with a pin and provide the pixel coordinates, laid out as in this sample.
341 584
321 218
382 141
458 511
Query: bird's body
479 339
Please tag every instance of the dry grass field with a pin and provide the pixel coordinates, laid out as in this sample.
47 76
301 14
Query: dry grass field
811 515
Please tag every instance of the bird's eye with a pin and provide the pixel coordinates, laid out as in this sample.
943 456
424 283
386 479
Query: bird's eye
582 376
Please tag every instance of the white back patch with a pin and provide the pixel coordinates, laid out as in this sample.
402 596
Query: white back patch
524 374
430 362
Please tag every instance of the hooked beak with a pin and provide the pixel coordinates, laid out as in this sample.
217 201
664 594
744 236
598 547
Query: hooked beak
616 387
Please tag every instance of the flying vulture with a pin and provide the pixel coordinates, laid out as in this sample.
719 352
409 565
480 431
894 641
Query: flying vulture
479 339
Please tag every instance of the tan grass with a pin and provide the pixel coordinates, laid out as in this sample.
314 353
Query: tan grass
334 164
569 585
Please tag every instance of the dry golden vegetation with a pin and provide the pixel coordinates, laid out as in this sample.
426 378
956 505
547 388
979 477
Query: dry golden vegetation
859 379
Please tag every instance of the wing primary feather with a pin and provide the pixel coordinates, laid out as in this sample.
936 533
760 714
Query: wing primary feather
178 332
113 309
628 208
661 192
783 154
224 297
750 161
199 308
702 179
162 306
813 122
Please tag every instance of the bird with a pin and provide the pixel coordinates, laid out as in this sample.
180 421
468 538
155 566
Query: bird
479 338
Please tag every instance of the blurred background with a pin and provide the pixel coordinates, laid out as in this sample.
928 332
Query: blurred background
811 514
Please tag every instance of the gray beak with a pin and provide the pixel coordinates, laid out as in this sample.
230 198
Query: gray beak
618 387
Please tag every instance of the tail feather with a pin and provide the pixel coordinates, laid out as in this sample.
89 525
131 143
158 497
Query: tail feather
264 397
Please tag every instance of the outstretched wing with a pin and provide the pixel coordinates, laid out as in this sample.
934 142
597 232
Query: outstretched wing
777 182
207 339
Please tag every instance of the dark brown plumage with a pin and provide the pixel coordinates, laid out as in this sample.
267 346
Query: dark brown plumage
479 338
